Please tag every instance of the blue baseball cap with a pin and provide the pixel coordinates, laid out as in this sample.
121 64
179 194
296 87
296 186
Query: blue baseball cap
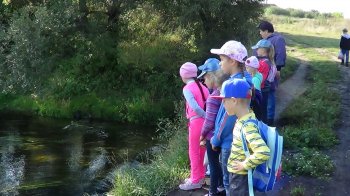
236 88
263 43
211 64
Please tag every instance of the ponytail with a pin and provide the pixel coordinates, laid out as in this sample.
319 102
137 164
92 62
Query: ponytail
201 90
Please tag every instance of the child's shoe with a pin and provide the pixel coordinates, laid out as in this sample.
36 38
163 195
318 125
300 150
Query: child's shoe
188 185
189 180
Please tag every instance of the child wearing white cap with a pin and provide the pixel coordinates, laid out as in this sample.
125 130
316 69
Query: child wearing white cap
252 66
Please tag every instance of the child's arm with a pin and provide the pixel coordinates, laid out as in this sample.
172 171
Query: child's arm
210 115
193 103
261 152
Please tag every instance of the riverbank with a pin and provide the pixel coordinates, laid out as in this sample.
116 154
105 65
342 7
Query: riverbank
89 107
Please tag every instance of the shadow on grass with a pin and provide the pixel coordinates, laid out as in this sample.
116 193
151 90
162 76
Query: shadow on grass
310 41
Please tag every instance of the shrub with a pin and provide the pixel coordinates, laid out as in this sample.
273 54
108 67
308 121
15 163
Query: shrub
307 163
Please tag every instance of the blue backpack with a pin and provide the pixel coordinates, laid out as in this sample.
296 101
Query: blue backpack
264 176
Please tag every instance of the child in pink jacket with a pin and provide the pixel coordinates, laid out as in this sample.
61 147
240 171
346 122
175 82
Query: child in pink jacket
195 94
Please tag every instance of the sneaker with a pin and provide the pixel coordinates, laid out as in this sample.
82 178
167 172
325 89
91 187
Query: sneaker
190 186
188 180
221 188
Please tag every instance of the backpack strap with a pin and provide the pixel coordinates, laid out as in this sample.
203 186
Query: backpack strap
247 154
203 97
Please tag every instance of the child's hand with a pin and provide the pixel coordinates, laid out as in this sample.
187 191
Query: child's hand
202 143
238 166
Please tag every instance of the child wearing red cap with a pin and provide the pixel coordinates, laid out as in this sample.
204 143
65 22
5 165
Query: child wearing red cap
195 94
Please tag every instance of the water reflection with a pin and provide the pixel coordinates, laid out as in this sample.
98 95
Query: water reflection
55 157
11 165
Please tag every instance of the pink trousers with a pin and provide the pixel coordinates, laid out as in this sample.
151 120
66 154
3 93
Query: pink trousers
195 151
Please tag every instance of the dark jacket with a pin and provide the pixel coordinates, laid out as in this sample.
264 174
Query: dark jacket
345 42
279 44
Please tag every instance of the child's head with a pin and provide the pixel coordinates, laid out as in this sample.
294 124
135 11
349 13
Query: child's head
345 30
209 68
188 71
252 64
236 95
232 55
264 48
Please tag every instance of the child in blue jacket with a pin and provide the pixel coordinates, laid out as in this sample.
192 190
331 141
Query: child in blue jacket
233 55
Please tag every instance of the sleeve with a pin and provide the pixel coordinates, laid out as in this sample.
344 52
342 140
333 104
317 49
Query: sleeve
280 50
261 152
210 115
341 44
215 140
256 82
193 103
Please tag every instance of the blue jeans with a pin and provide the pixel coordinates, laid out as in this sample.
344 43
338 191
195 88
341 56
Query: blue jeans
215 168
271 104
345 53
265 95
225 153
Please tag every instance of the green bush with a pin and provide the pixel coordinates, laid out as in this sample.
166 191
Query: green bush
297 191
308 162
308 136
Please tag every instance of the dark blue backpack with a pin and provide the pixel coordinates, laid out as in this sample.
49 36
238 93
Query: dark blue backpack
264 176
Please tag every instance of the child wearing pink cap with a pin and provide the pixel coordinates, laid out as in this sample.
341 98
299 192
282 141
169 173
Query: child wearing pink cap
252 66
195 94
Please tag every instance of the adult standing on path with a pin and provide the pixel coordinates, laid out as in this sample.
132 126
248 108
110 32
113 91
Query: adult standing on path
268 32
345 47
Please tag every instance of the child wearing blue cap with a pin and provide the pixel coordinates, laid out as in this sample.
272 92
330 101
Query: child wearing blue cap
213 78
267 67
236 95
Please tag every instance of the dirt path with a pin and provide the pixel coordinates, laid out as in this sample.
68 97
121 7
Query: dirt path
292 88
339 184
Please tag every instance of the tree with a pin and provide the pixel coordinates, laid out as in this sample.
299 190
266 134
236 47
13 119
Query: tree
213 21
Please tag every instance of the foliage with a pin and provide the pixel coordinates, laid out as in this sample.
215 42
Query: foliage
297 191
308 162
300 13
233 19
308 136
67 52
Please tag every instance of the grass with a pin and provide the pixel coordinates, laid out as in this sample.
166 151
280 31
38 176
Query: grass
138 109
309 121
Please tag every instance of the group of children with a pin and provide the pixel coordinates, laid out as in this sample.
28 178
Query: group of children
236 90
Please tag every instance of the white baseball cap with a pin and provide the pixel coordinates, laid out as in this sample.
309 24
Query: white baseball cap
252 62
233 49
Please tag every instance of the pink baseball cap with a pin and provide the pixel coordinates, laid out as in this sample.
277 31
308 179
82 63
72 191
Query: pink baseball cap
233 49
252 62
188 70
